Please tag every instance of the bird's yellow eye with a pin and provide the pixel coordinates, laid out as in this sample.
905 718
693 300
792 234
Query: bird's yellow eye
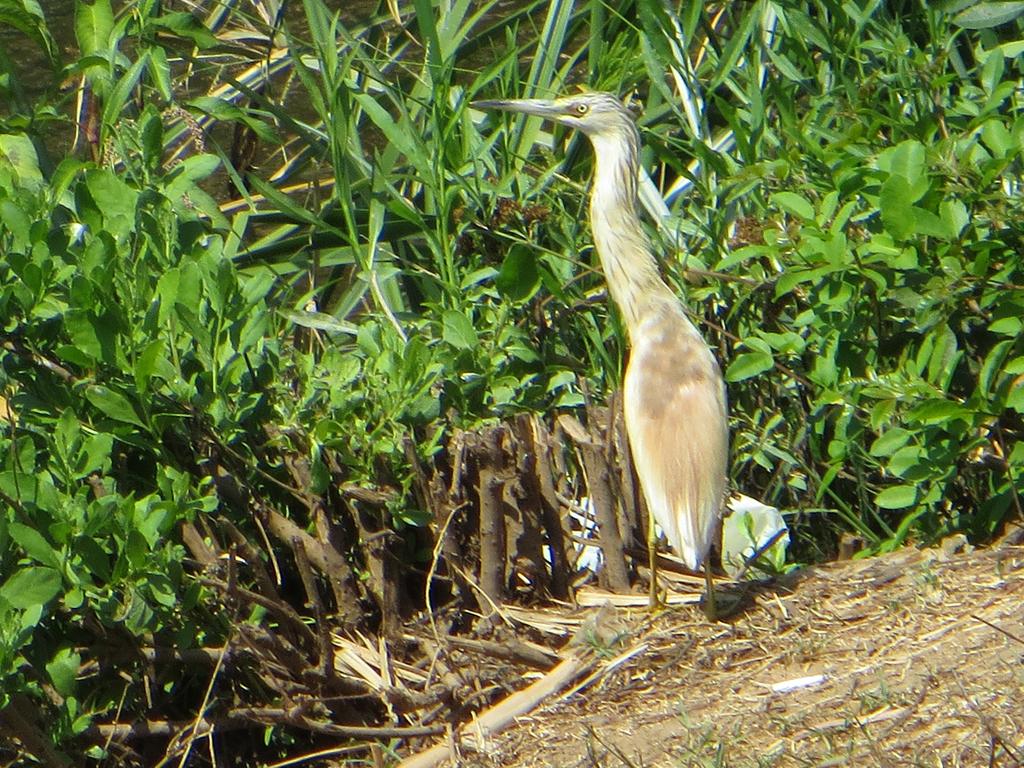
582 109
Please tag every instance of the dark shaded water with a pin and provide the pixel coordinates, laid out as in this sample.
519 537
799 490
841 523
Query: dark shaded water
33 69
39 83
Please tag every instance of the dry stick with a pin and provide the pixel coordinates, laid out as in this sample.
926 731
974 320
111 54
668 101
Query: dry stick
525 521
510 650
339 574
17 721
494 605
323 557
540 438
254 717
160 654
192 728
498 717
613 749
316 604
1009 473
987 724
601 496
628 485
492 519
19 349
281 661
420 485
366 495
1008 633
252 559
459 441
434 561
196 544
268 548
375 531
607 441
281 609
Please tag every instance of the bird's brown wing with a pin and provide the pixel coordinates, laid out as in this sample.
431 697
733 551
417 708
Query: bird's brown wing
675 415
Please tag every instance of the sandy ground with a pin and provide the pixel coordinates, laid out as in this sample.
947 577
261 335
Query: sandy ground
915 658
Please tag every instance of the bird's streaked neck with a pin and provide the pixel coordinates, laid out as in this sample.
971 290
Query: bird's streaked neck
615 183
622 245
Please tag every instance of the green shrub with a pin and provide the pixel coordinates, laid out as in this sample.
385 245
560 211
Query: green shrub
841 205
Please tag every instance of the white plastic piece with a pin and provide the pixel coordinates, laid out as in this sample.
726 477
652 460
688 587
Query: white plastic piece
750 525
797 683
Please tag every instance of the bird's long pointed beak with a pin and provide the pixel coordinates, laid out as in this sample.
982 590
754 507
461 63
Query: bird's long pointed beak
546 108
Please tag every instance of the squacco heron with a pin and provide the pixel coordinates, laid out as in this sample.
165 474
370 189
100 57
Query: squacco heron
673 394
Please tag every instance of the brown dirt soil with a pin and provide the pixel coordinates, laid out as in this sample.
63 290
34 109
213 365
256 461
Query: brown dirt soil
921 653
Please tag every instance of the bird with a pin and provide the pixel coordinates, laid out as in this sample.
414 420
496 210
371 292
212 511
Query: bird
674 398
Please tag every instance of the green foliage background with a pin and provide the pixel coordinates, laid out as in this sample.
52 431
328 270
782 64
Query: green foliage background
842 179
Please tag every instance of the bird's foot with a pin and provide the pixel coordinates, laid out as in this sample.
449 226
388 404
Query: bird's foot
709 604
657 602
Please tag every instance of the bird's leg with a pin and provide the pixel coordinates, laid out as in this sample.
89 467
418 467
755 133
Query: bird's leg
652 553
710 606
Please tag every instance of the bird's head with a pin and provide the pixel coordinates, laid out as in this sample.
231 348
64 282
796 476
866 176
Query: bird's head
596 114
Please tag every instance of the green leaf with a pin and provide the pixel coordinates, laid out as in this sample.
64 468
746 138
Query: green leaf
518 278
160 72
95 454
793 204
986 15
31 587
34 543
399 133
897 497
907 159
1007 326
193 169
121 94
890 441
27 17
897 208
18 225
94 25
186 25
997 138
1015 399
115 200
458 330
20 152
224 110
954 217
747 365
113 404
937 411
152 362
63 671
92 336
928 224
990 367
319 321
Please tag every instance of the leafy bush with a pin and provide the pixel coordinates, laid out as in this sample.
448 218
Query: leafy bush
840 203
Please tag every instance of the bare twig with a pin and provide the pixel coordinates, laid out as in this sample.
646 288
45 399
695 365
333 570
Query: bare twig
18 719
511 650
1011 635
491 460
281 609
601 496
497 718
